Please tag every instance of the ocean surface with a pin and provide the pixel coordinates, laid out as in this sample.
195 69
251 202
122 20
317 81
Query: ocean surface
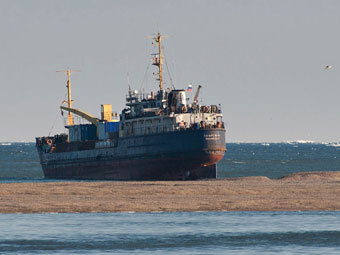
180 232
20 162
172 233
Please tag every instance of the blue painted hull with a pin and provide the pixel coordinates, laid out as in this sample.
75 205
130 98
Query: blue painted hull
187 154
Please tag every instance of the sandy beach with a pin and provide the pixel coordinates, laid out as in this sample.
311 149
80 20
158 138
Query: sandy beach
299 191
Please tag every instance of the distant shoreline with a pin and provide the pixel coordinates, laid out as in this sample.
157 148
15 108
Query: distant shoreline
305 191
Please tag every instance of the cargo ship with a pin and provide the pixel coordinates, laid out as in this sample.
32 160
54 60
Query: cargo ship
159 136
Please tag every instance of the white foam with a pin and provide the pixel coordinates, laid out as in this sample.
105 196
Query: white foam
5 144
333 144
302 142
239 162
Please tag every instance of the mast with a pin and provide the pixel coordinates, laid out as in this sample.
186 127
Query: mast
158 59
159 40
69 100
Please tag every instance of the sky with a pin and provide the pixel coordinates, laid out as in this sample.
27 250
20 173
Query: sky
262 60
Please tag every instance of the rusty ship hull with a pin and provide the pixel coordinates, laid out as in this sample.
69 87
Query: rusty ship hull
180 155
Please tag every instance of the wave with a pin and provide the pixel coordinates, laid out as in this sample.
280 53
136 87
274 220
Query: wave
293 142
239 162
5 144
302 142
174 241
333 144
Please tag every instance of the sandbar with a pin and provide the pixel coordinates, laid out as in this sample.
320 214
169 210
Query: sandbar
305 191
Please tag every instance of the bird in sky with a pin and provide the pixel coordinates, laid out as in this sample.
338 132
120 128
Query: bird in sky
327 67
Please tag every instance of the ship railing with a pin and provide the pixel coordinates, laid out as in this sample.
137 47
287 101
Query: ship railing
200 125
151 130
197 109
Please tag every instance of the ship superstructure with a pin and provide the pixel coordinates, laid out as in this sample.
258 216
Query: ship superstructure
157 136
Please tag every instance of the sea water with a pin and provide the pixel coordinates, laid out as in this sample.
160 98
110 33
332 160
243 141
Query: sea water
171 233
179 232
20 161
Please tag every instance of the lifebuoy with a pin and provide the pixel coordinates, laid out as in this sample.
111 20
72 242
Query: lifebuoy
49 142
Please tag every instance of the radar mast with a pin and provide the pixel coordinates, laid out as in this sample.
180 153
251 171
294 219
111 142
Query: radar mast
158 58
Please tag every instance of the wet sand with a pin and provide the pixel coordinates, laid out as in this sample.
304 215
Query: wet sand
299 191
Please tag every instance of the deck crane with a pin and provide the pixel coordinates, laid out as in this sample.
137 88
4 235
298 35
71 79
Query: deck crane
69 102
82 114
196 95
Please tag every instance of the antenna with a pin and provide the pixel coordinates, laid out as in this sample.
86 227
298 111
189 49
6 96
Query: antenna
68 86
128 79
127 73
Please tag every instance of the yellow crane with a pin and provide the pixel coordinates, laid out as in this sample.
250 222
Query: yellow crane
69 102
82 114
